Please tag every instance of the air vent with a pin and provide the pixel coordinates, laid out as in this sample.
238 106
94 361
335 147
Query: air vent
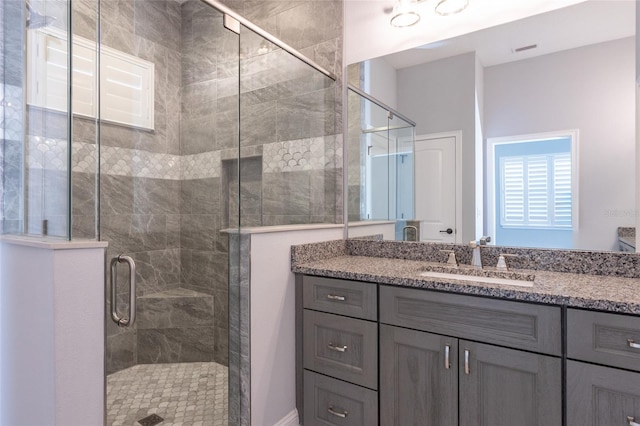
523 48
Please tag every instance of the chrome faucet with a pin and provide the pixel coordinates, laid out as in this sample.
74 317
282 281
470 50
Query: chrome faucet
404 232
476 258
451 259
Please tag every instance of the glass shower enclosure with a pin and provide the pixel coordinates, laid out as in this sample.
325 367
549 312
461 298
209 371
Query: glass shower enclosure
380 144
164 128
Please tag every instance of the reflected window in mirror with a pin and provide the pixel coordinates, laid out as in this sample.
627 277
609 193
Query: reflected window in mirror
532 193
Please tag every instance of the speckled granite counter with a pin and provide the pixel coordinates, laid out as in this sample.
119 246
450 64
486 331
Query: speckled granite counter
601 292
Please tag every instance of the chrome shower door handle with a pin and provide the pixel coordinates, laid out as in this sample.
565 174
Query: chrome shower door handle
121 321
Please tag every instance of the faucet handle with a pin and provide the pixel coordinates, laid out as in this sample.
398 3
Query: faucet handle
451 259
502 264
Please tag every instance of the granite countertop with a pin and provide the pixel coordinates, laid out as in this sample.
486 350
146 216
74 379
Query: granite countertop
600 292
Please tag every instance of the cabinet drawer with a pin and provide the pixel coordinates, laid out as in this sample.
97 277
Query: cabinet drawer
601 396
604 338
329 401
352 298
518 325
341 347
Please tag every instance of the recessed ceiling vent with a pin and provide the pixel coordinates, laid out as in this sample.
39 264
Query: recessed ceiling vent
524 48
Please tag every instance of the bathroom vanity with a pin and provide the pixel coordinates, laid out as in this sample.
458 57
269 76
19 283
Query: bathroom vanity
380 344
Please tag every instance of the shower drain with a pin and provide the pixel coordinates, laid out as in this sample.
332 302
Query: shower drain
151 420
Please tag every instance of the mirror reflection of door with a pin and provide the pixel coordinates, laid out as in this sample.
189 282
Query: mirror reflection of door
435 187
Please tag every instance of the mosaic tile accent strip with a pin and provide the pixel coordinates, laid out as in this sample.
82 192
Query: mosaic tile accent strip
303 154
194 394
200 166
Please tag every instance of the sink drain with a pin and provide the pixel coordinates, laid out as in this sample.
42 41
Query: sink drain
151 420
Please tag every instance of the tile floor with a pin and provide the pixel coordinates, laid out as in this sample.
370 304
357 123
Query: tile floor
186 394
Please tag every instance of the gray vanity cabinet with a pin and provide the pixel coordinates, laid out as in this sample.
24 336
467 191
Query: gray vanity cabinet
506 387
606 394
418 378
439 376
602 396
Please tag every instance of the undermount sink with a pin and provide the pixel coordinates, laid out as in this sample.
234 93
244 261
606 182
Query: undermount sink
486 276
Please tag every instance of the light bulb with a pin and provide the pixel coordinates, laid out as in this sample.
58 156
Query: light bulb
451 7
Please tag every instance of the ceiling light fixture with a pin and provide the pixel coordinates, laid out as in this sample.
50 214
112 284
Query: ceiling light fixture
451 7
403 14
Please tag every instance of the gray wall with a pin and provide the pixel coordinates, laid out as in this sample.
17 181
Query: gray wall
592 89
440 97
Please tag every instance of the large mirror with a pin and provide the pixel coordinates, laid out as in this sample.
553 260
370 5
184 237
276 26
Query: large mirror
525 132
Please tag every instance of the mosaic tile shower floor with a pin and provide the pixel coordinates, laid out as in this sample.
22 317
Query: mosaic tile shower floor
186 394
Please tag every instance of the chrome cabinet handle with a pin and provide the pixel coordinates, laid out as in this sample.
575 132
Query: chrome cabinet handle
334 297
633 344
115 316
447 363
337 348
342 415
467 370
632 421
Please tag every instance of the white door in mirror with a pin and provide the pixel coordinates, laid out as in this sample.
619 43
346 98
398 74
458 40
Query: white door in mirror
435 188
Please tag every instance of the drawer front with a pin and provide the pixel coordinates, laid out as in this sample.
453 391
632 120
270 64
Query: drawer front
518 325
601 396
352 298
609 339
341 347
329 401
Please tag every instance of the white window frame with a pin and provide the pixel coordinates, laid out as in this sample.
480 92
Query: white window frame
86 50
493 216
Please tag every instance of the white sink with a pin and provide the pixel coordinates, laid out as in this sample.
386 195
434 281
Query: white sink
477 279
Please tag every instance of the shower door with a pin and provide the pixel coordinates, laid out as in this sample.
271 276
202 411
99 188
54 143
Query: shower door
169 119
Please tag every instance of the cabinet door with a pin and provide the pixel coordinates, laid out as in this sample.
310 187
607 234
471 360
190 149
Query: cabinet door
601 396
416 387
506 387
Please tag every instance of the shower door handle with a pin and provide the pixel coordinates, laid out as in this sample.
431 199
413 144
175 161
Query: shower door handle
122 321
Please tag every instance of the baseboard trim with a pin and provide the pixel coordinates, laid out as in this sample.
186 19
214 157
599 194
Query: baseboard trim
290 419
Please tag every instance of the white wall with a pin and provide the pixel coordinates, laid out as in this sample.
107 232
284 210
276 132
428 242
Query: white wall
592 89
52 333
380 81
273 392
441 97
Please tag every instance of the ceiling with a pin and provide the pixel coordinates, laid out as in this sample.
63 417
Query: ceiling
368 33
582 24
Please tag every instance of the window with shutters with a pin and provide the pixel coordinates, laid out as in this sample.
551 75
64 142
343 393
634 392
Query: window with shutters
126 81
532 189
536 190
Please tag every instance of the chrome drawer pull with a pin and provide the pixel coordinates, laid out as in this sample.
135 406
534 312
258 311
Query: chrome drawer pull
632 422
337 413
447 363
334 297
467 370
337 348
633 344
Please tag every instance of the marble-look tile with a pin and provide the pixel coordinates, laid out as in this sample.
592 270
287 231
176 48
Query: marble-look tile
116 195
227 129
258 124
173 230
121 351
156 271
199 232
134 233
162 311
199 99
117 13
205 271
156 196
221 345
310 22
221 308
293 187
159 22
199 135
200 196
175 345
307 115
83 191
